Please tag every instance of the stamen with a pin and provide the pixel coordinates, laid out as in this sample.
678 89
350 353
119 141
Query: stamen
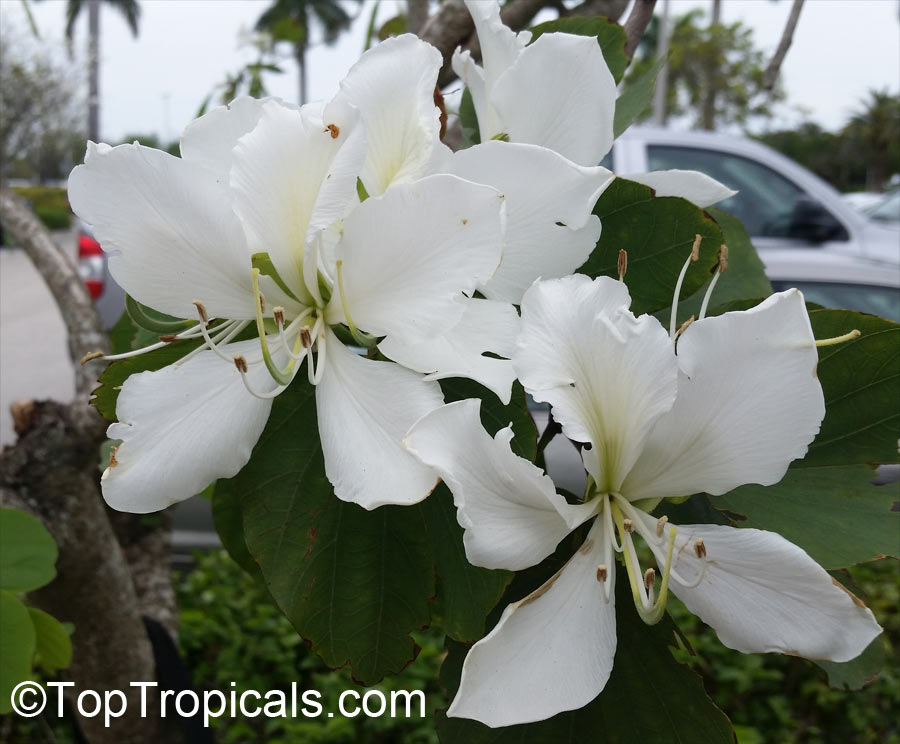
695 254
278 315
838 339
661 525
201 309
281 376
649 579
168 339
334 130
721 268
684 326
305 338
629 525
316 377
113 462
241 363
224 334
262 302
622 263
700 547
262 396
601 573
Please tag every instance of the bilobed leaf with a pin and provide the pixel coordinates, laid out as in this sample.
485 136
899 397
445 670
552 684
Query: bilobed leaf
27 552
861 380
635 98
17 641
610 36
650 697
465 593
834 513
658 233
54 649
352 582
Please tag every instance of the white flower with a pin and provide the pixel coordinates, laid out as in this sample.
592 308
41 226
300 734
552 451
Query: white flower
736 404
558 93
259 224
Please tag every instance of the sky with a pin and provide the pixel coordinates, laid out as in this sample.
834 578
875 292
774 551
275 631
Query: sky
156 83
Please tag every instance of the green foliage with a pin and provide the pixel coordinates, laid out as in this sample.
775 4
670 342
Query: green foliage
658 234
17 644
27 552
50 205
231 631
636 97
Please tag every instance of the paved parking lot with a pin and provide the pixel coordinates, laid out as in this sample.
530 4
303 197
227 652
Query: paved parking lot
34 362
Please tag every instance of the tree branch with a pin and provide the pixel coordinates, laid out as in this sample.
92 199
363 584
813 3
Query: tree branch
637 23
787 37
416 15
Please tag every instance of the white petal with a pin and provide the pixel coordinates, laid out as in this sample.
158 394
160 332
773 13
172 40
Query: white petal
608 375
694 186
512 516
552 651
748 404
762 593
559 94
393 87
500 45
485 326
473 76
550 230
291 177
364 409
184 427
209 140
409 254
168 229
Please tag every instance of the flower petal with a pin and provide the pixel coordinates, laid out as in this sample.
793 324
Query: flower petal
512 516
608 375
559 94
748 404
168 229
364 409
409 254
210 140
694 186
291 177
761 593
393 86
486 326
550 230
182 427
552 651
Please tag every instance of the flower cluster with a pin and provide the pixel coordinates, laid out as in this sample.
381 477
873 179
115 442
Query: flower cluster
348 238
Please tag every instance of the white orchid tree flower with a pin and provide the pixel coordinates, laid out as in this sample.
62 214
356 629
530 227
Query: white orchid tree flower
726 401
558 93
259 226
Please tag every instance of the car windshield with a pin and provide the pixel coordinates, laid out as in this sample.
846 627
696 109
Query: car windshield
887 209
882 301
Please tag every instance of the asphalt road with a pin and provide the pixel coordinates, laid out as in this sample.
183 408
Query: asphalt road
34 361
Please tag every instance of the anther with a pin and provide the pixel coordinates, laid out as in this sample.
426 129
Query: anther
628 524
649 578
723 259
91 355
278 315
684 326
305 338
695 248
113 462
241 363
601 573
700 547
334 129
168 339
201 311
661 525
622 263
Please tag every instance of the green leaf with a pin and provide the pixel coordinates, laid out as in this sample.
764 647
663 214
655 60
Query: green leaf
27 552
635 98
465 593
658 233
114 376
744 279
833 513
355 583
17 643
856 673
229 521
53 646
468 120
861 380
650 697
610 36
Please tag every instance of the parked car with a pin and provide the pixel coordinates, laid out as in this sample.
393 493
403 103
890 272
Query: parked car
807 235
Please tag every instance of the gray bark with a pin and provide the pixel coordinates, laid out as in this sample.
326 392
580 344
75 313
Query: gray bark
787 37
636 24
94 70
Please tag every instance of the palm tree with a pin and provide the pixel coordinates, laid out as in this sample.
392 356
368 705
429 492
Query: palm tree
289 20
875 127
131 10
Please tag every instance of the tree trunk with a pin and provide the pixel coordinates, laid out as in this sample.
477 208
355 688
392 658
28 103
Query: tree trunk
708 113
787 36
94 70
416 15
661 92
